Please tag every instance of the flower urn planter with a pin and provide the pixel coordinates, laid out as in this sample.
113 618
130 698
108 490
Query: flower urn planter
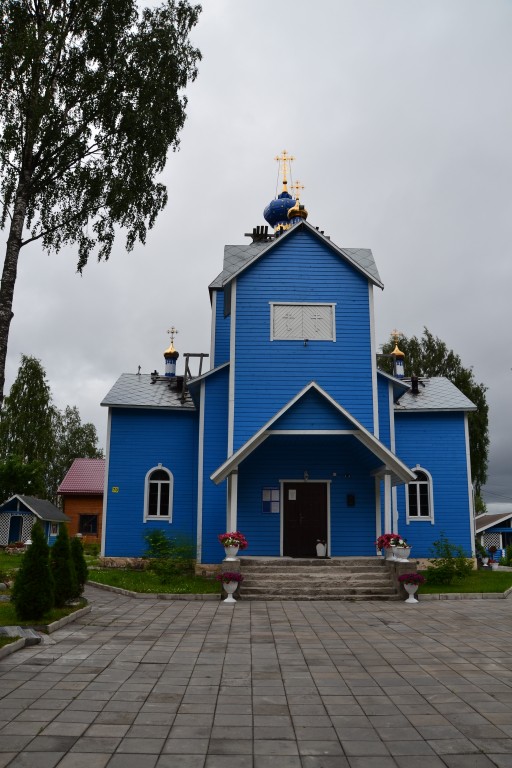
485 562
231 552
402 554
230 588
494 566
388 553
321 549
411 590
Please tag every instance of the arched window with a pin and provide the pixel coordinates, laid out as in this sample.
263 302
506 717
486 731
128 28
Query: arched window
420 505
158 494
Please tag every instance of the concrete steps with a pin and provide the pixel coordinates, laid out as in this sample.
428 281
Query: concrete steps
348 578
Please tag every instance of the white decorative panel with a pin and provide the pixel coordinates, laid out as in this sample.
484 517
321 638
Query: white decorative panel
28 522
4 529
492 538
303 321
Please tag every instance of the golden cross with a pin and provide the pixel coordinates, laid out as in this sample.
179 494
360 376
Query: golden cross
396 335
284 160
172 332
297 187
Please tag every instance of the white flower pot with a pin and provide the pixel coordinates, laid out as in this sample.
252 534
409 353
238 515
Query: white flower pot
411 589
231 552
321 549
402 553
388 553
230 588
494 566
485 561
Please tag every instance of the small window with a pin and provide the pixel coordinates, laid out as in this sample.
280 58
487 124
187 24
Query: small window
88 525
54 529
419 497
158 496
270 501
314 322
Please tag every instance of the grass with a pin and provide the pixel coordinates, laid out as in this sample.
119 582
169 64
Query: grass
9 562
478 581
148 582
7 640
8 616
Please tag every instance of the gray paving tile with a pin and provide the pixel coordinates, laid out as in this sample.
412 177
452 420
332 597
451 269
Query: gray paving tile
36 759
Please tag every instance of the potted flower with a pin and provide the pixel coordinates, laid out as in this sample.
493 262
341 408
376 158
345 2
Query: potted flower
386 541
401 549
232 542
411 582
492 562
230 580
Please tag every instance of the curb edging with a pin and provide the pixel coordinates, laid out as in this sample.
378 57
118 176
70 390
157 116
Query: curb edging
155 595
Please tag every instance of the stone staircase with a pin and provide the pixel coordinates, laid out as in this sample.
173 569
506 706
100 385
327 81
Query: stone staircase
340 578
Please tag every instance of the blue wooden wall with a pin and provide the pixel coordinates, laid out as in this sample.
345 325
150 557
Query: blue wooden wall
383 386
436 441
139 441
269 373
222 331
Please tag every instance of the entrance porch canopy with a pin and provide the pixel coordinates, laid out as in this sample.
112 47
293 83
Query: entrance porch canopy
391 466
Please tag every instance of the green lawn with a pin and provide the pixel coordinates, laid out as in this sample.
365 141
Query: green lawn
478 581
8 615
9 562
148 582
7 640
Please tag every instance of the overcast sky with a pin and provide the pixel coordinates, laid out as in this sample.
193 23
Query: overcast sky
399 114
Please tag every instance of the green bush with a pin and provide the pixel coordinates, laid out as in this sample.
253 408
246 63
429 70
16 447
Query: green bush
91 548
63 569
81 570
33 590
448 562
169 556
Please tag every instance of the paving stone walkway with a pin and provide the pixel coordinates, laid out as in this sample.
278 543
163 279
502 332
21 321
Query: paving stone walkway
148 683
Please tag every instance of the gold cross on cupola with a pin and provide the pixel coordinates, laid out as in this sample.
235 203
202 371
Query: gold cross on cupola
297 187
284 160
172 333
396 335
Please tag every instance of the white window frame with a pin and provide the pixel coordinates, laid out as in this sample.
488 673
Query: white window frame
274 304
165 518
421 518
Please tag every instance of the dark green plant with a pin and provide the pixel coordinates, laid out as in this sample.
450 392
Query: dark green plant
480 549
63 568
169 556
448 562
33 590
91 548
81 570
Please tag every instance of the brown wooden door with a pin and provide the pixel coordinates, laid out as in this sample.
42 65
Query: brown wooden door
304 518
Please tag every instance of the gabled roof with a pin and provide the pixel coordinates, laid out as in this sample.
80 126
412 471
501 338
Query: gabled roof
482 522
392 462
237 258
438 394
85 476
399 386
41 508
135 390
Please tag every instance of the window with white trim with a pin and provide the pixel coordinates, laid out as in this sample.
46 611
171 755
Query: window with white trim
158 494
314 322
419 499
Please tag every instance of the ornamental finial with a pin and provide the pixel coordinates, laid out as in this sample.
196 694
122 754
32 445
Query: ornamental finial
284 160
297 187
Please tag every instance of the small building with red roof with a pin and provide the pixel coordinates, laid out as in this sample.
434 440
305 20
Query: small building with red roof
82 497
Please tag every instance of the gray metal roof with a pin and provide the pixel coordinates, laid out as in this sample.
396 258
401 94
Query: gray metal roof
237 257
42 508
438 394
133 390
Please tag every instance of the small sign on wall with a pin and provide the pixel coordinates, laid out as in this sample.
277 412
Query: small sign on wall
292 494
270 501
115 489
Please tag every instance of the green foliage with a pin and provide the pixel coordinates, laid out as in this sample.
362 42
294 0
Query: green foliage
81 570
448 562
33 590
480 549
428 357
169 556
91 548
38 443
91 101
63 569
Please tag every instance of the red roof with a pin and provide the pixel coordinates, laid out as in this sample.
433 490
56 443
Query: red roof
85 476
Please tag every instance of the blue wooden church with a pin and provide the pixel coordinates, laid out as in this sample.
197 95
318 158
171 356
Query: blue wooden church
294 435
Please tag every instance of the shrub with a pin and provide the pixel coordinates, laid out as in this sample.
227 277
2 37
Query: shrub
169 556
63 569
91 548
449 562
33 590
81 570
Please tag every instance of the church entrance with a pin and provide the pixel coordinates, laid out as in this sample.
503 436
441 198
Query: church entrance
304 517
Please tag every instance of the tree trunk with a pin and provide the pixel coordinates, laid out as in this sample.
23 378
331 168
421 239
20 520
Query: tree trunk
10 270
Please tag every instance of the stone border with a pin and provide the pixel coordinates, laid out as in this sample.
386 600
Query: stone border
466 596
11 647
55 625
154 595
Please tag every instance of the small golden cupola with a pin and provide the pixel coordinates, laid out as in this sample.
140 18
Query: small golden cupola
398 357
298 211
170 355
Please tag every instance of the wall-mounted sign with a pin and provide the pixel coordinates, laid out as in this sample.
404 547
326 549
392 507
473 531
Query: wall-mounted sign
115 489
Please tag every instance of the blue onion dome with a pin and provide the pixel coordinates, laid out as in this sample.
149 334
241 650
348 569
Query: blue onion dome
276 212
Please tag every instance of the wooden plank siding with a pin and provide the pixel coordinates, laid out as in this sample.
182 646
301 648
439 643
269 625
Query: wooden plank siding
436 442
312 411
165 437
222 331
215 449
384 421
269 373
